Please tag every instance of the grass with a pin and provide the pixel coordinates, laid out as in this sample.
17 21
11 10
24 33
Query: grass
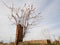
31 44
52 44
40 44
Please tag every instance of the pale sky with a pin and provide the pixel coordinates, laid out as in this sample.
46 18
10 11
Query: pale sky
49 25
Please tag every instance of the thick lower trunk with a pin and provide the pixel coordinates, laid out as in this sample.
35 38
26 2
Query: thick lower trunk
19 34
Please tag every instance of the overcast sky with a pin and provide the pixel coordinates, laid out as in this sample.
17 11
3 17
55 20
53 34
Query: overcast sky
49 25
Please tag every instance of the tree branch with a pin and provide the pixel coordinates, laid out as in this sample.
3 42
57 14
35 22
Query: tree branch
14 18
36 16
5 4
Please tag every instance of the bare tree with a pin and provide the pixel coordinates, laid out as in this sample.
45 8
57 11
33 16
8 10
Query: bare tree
21 17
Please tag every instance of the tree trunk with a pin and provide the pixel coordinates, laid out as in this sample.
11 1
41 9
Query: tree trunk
19 34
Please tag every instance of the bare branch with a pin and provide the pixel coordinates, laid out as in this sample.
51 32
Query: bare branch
28 13
22 12
36 16
14 18
24 4
16 12
11 20
31 6
5 4
24 30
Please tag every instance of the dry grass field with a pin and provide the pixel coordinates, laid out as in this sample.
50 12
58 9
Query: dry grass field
33 42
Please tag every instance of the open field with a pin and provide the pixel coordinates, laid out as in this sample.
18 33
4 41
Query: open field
41 44
27 44
33 42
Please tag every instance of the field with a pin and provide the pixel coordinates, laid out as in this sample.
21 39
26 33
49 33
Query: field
26 44
35 42
41 44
